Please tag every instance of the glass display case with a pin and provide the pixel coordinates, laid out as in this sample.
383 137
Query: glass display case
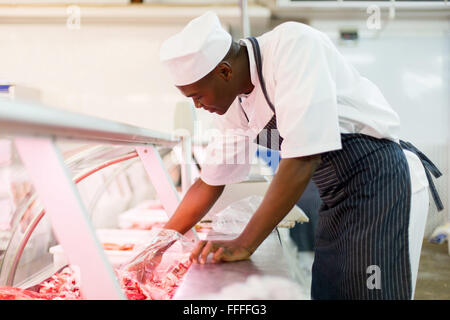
112 168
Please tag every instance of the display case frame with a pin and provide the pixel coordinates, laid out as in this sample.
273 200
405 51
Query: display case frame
35 128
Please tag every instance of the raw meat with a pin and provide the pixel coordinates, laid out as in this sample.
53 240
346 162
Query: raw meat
118 247
159 283
10 293
63 285
132 289
146 225
153 288
202 227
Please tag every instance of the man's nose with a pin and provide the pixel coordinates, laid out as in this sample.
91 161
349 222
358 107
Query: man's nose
197 104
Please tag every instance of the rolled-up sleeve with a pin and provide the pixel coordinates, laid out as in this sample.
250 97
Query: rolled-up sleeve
305 96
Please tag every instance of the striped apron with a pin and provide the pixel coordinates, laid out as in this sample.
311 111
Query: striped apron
361 239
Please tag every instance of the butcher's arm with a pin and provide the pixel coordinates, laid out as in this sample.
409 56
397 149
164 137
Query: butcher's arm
196 203
292 177
287 186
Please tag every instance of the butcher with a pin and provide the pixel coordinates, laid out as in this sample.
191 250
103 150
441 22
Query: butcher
291 90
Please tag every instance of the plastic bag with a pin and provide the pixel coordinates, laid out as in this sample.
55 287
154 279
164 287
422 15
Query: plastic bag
234 218
158 268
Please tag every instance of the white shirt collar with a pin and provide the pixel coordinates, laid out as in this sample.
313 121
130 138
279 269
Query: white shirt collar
252 65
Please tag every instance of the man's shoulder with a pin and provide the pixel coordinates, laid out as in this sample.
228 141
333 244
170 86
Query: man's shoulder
290 29
287 35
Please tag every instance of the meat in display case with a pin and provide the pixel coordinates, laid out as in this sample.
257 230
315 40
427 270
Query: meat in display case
79 198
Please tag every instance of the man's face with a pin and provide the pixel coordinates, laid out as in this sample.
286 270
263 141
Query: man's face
211 93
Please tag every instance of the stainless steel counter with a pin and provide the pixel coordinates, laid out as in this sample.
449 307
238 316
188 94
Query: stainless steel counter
210 278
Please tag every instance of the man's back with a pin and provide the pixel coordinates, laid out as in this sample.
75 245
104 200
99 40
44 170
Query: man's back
362 108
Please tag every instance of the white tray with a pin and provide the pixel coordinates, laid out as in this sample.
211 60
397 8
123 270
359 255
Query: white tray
116 257
141 217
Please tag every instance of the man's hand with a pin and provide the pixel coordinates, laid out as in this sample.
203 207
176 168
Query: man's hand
223 250
284 191
149 262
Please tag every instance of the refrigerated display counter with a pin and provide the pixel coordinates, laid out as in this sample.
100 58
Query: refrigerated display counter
73 182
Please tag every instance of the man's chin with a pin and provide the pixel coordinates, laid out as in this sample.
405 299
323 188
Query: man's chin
220 112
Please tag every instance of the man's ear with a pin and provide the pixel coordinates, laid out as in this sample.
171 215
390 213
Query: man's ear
224 70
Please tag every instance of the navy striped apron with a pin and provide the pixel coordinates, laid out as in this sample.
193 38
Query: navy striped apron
361 239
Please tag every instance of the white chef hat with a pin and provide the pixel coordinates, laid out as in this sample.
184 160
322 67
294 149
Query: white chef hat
195 51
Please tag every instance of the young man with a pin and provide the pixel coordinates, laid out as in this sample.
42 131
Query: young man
290 89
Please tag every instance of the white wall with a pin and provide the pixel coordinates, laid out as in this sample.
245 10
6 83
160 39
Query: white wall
105 70
109 66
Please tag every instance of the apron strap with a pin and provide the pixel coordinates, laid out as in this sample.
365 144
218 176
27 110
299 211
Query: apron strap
258 62
271 127
429 167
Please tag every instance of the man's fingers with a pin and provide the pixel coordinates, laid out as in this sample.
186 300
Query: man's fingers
206 250
217 255
217 248
197 250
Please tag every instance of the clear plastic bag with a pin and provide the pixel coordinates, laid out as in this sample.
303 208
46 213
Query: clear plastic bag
234 218
157 269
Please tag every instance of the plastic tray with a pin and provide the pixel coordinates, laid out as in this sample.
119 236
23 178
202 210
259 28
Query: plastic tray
116 236
142 218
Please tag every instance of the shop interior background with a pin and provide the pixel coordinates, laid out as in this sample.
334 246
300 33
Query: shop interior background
101 58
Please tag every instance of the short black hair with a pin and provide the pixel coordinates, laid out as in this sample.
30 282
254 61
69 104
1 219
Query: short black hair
233 51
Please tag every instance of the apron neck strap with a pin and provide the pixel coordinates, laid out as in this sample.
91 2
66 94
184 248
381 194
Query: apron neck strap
258 61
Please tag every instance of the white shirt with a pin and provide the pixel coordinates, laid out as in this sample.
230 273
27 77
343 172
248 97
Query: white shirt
317 96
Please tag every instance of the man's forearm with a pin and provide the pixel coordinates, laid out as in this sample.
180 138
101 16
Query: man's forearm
196 203
284 191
